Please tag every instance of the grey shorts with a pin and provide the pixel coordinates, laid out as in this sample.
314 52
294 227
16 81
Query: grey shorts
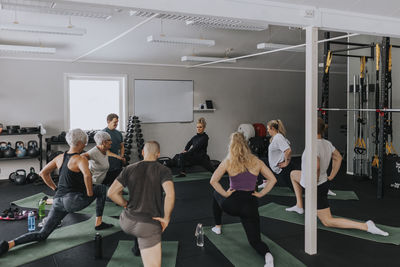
148 234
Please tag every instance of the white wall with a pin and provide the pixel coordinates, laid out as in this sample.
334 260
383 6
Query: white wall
33 92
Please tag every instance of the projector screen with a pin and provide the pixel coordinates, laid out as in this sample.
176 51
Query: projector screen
163 101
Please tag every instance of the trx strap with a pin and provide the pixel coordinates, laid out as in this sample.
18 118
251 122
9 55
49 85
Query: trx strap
360 146
325 91
375 161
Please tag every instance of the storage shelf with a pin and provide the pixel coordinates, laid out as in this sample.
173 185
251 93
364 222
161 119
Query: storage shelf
204 110
16 158
7 134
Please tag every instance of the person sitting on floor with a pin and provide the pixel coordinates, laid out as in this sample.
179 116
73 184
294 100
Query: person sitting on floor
74 192
325 153
142 213
241 198
195 152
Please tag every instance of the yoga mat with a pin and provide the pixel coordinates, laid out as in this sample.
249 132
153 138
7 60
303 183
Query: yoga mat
235 247
61 239
276 211
195 176
340 194
123 256
110 208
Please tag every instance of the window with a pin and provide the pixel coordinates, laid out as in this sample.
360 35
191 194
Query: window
91 98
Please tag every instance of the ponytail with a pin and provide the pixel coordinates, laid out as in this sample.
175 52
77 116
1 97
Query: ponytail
281 128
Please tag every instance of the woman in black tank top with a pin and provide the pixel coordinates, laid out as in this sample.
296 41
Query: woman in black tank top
74 192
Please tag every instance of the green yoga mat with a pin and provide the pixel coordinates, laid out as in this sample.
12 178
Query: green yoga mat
340 194
276 211
235 247
110 209
195 176
123 256
61 239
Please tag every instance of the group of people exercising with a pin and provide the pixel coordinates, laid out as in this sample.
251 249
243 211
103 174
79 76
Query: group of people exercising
146 213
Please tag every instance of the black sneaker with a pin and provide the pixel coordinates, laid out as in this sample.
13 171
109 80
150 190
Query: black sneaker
135 249
103 226
3 247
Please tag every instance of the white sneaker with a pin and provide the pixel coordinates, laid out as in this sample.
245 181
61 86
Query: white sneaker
269 260
261 186
330 193
296 209
216 230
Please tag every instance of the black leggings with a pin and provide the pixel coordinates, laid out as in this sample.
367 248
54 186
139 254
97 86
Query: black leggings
68 203
195 159
283 177
245 206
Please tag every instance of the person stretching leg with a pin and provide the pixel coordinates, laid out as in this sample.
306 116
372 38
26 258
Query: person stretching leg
325 153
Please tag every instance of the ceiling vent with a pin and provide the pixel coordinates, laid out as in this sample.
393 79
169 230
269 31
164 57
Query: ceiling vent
207 22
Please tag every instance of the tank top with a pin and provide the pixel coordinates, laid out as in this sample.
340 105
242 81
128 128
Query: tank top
69 181
245 181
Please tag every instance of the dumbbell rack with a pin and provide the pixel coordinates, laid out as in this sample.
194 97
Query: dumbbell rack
40 136
133 136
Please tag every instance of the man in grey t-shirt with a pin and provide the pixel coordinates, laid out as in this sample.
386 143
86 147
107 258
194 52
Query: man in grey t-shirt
142 215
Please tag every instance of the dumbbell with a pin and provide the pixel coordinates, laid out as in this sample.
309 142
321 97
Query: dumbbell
128 140
129 135
127 146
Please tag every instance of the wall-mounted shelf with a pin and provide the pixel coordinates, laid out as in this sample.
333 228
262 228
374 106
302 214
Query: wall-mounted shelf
204 110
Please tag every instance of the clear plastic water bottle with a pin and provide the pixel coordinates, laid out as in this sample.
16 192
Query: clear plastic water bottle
31 222
199 235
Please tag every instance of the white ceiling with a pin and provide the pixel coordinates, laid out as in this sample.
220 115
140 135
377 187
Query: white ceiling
133 48
387 8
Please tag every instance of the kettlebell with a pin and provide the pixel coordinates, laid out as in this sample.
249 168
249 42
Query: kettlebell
32 176
20 149
3 146
20 177
9 152
11 177
33 150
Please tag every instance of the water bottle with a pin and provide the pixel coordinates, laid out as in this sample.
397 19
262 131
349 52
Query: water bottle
42 207
199 235
98 246
31 221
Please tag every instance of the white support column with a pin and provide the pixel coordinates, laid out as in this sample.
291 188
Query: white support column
310 172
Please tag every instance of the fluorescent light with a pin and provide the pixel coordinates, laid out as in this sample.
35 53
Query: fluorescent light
179 40
27 49
272 46
226 25
42 29
64 9
205 59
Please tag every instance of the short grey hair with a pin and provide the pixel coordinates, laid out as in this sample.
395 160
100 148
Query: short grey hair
75 136
100 137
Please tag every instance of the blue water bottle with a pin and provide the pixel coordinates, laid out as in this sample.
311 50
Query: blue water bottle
31 222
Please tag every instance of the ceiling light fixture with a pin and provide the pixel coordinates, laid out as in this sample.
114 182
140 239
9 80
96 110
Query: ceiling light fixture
58 9
272 46
179 40
27 49
205 59
43 29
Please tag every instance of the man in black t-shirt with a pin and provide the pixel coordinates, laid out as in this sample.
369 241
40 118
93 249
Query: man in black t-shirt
142 215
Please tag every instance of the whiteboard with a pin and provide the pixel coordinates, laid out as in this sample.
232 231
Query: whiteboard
163 100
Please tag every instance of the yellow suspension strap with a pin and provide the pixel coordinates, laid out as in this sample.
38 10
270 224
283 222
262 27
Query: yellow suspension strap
328 61
375 161
360 146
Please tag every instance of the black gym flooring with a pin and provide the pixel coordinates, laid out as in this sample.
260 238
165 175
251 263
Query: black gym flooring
194 205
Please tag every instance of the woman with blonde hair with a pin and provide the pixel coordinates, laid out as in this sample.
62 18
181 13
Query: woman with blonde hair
195 152
279 153
241 198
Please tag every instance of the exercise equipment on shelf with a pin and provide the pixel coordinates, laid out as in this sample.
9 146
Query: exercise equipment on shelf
133 137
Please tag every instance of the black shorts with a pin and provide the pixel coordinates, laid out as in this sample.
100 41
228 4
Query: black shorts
322 196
